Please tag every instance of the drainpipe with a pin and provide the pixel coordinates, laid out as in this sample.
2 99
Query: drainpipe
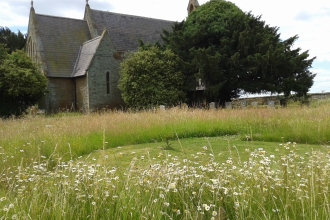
75 94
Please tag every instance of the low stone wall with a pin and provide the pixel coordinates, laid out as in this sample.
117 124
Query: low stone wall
318 96
255 102
268 101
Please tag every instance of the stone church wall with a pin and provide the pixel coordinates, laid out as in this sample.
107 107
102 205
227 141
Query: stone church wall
104 61
61 95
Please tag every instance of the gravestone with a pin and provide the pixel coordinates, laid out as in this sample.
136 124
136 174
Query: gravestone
243 103
41 111
229 105
162 108
271 104
254 104
212 105
33 110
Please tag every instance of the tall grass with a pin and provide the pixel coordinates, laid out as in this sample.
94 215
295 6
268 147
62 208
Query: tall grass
43 175
83 134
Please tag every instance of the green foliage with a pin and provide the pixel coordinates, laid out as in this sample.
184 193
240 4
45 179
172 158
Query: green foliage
150 77
21 82
234 52
13 41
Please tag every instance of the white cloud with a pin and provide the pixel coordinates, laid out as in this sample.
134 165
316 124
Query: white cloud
10 18
321 81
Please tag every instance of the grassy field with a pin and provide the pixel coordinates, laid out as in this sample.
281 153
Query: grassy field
178 164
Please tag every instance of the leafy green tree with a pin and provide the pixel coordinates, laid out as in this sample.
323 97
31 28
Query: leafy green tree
21 82
13 41
150 77
234 52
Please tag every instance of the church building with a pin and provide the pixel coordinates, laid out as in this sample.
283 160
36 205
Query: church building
81 58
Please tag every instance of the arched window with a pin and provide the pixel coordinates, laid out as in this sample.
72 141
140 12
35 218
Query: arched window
108 82
191 8
33 52
29 48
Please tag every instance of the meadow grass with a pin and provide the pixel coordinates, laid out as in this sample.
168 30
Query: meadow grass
193 164
82 134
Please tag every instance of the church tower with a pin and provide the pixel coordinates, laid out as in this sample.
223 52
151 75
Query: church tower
193 4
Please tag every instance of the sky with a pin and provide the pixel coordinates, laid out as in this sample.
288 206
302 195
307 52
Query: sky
308 19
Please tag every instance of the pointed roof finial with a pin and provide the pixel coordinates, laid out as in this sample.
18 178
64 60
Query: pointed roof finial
86 2
193 5
31 4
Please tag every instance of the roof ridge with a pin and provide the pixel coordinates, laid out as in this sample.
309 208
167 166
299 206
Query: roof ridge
96 38
53 16
138 16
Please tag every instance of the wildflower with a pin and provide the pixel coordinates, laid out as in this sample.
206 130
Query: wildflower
14 217
206 207
172 186
3 199
204 147
214 213
166 204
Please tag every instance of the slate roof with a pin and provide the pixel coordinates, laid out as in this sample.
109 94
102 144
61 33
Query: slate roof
61 39
85 56
126 30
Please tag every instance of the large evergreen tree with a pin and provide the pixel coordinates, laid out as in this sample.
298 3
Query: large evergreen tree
13 41
234 52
